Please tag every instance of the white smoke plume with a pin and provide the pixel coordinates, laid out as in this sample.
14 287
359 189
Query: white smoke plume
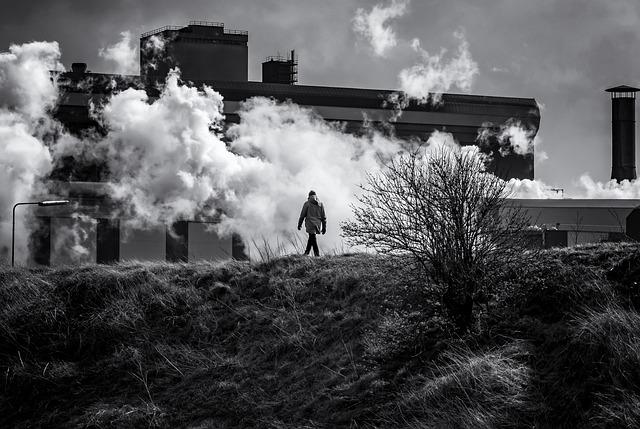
124 54
27 93
153 50
435 74
298 152
612 189
513 137
531 189
585 187
372 25
73 240
168 160
156 43
164 160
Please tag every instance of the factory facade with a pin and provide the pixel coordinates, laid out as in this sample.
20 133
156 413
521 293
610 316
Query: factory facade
209 54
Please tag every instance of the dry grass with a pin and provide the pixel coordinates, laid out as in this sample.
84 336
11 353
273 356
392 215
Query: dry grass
342 341
472 389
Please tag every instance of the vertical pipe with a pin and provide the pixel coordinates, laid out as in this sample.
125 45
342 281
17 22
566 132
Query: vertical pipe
13 234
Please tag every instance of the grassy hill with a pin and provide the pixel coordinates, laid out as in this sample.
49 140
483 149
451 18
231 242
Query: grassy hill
344 341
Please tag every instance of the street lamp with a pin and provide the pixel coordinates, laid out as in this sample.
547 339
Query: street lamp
35 203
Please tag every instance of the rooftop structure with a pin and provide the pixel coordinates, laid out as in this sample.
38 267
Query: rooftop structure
201 50
280 69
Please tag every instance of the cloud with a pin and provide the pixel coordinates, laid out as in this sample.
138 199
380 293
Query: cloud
585 187
124 54
25 78
298 152
169 160
589 188
513 137
531 189
27 94
153 51
372 25
73 241
427 80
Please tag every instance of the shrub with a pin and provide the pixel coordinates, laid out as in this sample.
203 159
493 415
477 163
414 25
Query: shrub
449 214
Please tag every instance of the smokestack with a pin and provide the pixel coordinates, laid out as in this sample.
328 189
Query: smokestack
79 67
623 132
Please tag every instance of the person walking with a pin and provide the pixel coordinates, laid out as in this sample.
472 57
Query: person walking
315 221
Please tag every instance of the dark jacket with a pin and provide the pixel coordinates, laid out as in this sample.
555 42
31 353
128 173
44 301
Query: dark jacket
313 215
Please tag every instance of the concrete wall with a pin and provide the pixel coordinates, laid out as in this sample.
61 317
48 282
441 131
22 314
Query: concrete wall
205 244
142 245
66 241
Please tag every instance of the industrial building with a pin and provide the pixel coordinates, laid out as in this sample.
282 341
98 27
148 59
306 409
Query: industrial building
568 222
202 50
208 53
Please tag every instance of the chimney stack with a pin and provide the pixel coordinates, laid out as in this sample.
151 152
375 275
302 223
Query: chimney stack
79 67
623 132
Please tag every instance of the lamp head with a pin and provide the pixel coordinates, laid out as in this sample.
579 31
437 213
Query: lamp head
53 203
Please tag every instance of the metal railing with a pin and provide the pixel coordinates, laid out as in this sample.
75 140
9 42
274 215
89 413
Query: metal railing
200 23
241 32
282 59
207 23
160 30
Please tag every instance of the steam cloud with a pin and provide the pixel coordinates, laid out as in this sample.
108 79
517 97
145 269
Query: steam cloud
427 80
27 93
612 189
585 187
124 54
154 48
513 137
372 25
171 159
433 75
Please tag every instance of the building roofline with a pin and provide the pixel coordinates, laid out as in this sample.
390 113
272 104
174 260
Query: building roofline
576 203
331 95
622 88
362 93
193 24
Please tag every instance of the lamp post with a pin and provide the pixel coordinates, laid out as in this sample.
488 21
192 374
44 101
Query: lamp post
45 203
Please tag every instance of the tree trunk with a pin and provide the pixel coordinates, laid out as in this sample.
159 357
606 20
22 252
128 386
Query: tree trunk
458 299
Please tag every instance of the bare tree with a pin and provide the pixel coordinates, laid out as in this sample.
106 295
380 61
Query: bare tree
445 210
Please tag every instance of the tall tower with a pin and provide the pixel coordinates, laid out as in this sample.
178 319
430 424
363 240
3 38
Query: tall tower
203 51
623 132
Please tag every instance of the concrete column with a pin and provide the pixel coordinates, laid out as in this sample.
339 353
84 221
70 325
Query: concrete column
178 242
40 241
108 241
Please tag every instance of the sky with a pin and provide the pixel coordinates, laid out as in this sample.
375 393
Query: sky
563 53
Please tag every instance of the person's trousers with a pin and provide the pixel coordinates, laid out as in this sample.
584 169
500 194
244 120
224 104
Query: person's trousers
312 243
